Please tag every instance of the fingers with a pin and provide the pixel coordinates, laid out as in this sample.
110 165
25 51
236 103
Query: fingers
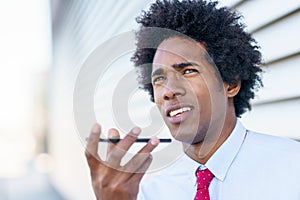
117 151
150 146
129 139
108 174
135 165
136 178
91 150
112 133
139 164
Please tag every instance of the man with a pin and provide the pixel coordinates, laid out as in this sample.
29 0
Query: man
201 75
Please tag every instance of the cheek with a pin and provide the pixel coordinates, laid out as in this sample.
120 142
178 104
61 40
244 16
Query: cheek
202 96
157 100
198 88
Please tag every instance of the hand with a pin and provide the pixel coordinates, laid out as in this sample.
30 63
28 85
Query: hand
110 180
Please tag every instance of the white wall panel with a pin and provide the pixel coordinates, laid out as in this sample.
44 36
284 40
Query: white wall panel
229 3
276 108
80 28
260 12
281 81
280 39
279 118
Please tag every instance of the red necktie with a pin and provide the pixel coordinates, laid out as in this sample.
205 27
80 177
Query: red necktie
204 178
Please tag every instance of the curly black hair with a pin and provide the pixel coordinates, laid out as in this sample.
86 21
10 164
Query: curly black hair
234 52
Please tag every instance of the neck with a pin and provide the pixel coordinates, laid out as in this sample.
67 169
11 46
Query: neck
202 151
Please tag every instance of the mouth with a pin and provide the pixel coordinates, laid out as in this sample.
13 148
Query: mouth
178 113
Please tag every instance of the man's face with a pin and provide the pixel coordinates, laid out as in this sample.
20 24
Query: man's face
185 84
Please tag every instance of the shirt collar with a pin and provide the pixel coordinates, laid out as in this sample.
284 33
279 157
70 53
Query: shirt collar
222 159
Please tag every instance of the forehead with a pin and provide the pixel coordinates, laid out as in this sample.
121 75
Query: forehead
178 50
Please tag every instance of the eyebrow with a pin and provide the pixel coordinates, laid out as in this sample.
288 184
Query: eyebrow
160 71
182 65
157 72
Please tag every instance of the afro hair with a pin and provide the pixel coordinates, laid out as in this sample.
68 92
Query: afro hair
234 52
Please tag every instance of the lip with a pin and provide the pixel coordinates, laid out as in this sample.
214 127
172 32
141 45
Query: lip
178 118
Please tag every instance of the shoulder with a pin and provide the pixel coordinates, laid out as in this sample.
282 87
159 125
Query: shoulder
274 150
274 143
175 181
177 168
263 162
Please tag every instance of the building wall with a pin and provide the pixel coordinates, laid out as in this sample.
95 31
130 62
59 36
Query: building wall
80 27
275 26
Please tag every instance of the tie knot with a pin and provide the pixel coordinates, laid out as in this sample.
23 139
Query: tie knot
204 178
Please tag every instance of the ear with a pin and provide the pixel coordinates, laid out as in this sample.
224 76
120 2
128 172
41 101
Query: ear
232 90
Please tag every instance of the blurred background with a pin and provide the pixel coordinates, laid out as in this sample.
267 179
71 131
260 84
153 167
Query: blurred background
44 44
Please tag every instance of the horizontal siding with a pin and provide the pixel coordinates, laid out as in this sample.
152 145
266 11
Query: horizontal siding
276 28
280 39
229 3
281 81
80 27
258 13
278 118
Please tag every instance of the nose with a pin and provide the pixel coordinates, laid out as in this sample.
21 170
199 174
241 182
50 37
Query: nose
173 88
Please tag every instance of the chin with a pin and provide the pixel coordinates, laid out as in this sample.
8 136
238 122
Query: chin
188 137
197 141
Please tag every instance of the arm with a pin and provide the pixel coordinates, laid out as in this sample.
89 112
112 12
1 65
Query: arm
110 180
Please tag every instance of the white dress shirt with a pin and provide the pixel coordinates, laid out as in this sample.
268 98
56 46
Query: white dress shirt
248 166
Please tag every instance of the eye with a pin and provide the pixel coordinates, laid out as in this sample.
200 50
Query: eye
158 80
190 71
